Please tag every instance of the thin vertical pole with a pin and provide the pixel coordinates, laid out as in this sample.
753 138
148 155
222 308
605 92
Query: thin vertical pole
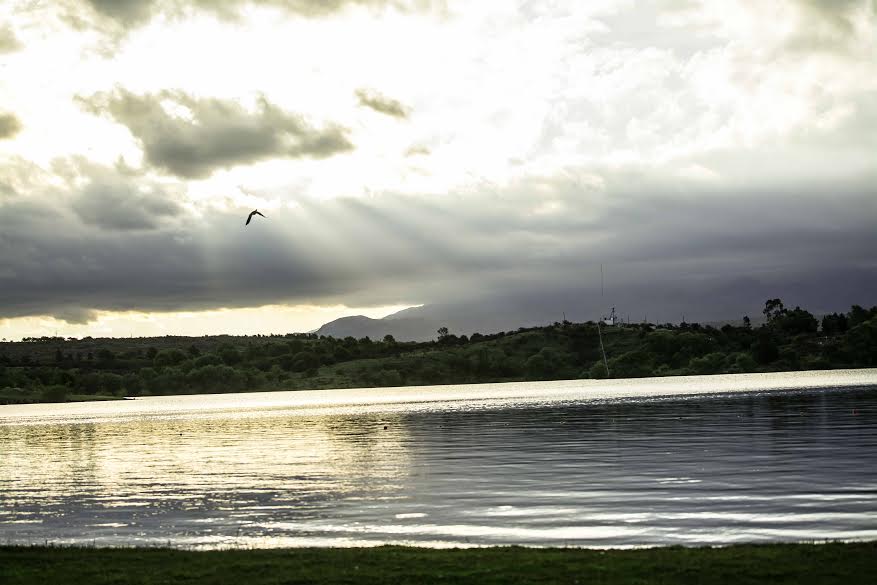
602 349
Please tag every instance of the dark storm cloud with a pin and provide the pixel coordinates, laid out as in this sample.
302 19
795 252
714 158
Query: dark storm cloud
76 315
125 12
216 133
381 104
117 205
104 243
9 125
8 40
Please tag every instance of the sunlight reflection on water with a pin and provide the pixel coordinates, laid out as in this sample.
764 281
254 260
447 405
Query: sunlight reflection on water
696 460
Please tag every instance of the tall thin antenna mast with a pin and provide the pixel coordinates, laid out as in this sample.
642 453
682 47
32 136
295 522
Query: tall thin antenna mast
599 330
602 349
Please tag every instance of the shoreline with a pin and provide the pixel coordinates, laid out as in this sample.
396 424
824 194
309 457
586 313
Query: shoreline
390 399
57 370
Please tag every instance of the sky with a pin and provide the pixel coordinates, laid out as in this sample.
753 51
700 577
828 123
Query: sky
420 153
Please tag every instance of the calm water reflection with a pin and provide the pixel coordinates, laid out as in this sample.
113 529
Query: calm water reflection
556 463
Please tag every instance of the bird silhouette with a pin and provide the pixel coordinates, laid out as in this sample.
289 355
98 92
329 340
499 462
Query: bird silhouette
252 213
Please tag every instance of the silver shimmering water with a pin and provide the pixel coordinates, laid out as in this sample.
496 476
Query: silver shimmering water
697 460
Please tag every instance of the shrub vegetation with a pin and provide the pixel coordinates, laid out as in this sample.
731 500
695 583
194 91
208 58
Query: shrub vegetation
51 369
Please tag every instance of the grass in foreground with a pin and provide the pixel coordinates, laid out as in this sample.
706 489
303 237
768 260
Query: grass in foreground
775 563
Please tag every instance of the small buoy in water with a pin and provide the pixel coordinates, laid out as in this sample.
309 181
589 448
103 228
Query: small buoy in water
385 427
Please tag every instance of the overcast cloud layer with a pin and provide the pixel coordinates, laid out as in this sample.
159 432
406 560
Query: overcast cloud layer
708 154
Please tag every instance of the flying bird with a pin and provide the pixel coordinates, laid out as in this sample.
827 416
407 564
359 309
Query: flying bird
252 213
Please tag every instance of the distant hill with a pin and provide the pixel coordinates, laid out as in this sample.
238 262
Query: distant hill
461 318
401 328
660 302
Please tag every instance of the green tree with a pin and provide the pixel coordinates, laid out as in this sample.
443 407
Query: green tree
773 309
536 366
131 384
743 363
598 370
305 361
169 357
834 324
797 321
711 363
390 378
633 364
110 383
209 359
859 315
54 393
860 343
765 349
229 355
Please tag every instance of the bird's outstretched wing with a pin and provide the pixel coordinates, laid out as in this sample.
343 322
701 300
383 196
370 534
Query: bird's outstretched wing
252 213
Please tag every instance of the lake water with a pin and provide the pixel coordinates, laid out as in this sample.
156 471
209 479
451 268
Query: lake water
695 460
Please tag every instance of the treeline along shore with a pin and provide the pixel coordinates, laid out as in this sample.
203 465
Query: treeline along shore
53 369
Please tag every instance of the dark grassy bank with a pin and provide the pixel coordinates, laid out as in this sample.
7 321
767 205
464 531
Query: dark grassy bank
25 396
779 563
57 369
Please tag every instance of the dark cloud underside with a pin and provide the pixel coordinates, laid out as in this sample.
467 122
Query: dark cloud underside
381 104
839 14
8 40
831 25
9 125
114 245
116 205
216 133
128 14
787 209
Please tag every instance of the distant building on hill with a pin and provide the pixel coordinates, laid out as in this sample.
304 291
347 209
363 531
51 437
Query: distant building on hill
612 319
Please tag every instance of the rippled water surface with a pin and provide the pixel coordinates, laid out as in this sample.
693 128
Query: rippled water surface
712 459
